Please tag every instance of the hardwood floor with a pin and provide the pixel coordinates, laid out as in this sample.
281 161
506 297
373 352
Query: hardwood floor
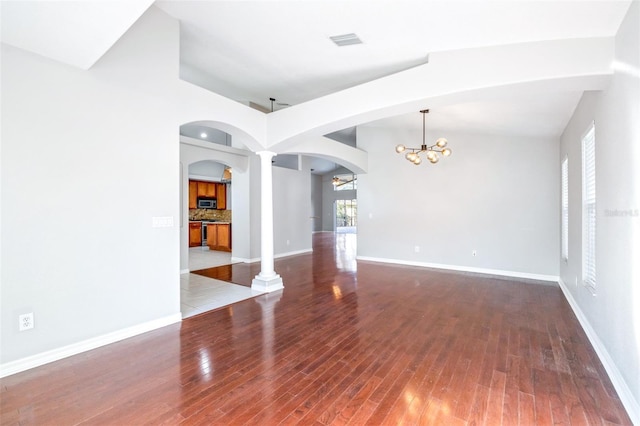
372 344
237 273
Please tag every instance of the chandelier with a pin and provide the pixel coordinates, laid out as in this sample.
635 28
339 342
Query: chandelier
431 151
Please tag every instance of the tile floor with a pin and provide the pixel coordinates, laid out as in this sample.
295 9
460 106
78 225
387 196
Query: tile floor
200 294
202 257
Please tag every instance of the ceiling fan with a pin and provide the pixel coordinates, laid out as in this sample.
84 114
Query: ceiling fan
336 181
282 104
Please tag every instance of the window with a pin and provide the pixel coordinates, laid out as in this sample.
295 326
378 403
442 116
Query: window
346 213
589 208
345 182
565 209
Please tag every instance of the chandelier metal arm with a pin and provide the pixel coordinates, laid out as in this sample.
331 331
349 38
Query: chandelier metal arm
424 149
432 150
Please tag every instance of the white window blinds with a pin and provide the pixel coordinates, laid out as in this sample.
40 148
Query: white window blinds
589 208
565 209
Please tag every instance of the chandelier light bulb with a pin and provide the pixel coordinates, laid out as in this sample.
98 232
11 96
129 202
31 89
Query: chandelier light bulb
446 152
410 156
441 143
431 155
418 160
434 160
400 148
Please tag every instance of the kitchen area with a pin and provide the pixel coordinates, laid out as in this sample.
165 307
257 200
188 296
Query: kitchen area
209 218
209 241
208 201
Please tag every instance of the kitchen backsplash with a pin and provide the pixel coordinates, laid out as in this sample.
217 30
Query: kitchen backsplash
210 214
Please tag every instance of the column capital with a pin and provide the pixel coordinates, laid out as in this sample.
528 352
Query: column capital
266 154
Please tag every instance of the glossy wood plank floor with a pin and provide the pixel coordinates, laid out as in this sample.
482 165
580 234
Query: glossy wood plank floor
378 345
237 273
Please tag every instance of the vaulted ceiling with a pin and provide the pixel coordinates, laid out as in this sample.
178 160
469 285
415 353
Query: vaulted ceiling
254 50
250 51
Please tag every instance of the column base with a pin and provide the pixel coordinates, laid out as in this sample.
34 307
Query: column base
267 285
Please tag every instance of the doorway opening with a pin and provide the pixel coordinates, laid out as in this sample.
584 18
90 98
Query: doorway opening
346 216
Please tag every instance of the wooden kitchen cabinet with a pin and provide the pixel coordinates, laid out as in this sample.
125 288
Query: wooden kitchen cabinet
195 234
219 236
211 190
202 188
199 188
206 189
193 194
221 195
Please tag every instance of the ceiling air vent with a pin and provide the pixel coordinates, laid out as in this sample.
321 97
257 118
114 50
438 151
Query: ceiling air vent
346 39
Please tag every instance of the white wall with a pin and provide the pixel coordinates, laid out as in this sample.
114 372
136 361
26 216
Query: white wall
291 209
95 155
87 161
612 316
496 194
316 203
242 213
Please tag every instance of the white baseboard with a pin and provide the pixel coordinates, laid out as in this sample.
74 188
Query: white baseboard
292 253
626 397
37 360
244 259
526 275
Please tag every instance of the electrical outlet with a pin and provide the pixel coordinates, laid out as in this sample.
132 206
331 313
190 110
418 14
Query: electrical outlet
416 249
473 253
25 321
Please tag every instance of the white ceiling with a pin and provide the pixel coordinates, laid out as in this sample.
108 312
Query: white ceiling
254 50
523 112
77 33
250 51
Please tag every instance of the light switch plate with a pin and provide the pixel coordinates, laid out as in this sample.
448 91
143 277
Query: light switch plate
162 222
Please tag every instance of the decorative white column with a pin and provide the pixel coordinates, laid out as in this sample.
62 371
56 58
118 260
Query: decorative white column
267 280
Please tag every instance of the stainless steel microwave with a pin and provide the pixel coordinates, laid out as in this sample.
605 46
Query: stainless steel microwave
207 203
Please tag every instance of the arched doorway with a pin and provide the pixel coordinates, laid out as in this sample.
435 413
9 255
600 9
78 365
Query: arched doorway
207 171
